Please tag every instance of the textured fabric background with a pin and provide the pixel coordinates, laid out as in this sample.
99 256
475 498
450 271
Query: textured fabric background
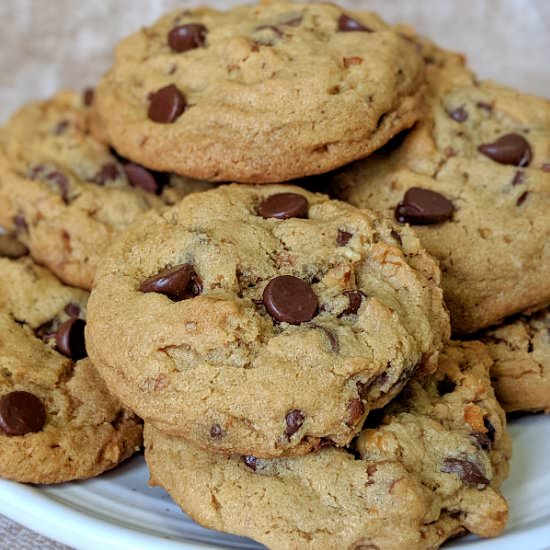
49 44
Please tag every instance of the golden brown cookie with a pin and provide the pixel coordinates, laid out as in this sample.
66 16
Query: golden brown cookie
429 469
259 93
58 422
66 193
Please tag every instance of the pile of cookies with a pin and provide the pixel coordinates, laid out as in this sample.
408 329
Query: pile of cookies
283 347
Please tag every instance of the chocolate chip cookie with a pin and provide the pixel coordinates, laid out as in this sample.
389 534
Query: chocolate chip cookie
57 420
259 93
521 370
66 193
428 469
263 319
473 178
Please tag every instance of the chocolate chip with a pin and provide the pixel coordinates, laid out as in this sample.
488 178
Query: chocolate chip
459 114
343 237
167 104
178 283
108 172
446 386
332 338
491 431
283 206
290 300
142 178
187 37
469 472
519 176
347 24
20 223
355 298
21 413
485 106
521 198
482 441
356 409
88 96
69 339
216 431
250 461
294 421
72 310
61 126
423 207
62 183
47 331
508 149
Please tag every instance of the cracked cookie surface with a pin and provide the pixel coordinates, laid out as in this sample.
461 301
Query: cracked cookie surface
66 193
261 93
521 370
428 469
485 150
244 332
57 420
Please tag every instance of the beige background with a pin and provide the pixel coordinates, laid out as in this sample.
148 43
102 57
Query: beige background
48 44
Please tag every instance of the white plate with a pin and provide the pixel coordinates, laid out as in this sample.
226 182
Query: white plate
119 511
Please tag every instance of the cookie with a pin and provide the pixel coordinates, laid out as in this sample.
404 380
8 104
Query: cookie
66 193
57 420
473 178
430 468
521 371
263 319
259 93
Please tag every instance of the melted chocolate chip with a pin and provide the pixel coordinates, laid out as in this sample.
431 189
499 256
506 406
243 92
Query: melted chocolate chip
482 441
423 207
108 172
343 237
283 206
140 177
178 283
355 298
88 96
508 149
250 461
356 410
332 338
72 310
347 24
522 198
187 37
216 431
166 105
491 431
459 114
294 420
469 472
69 339
47 331
290 300
21 413
519 176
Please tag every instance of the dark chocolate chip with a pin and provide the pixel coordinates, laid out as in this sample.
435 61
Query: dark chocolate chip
290 300
482 441
343 237
508 149
355 298
347 24
519 176
469 472
72 310
459 114
88 96
423 207
446 386
283 206
47 331
216 431
166 105
187 37
140 177
356 409
294 420
21 413
491 431
250 461
69 339
178 283
332 338
521 198
108 172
